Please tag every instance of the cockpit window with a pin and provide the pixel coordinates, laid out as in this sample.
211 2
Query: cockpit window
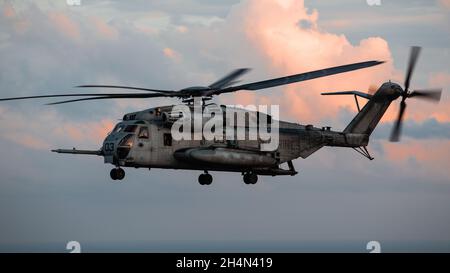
130 128
143 132
118 128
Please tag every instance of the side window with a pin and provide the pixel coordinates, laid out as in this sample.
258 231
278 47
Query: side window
167 140
143 132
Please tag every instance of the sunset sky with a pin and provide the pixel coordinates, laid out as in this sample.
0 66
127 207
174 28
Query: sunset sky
48 199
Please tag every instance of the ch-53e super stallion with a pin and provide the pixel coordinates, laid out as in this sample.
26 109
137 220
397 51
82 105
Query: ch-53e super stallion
144 139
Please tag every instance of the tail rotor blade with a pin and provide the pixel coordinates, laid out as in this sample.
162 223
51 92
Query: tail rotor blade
395 135
414 55
433 95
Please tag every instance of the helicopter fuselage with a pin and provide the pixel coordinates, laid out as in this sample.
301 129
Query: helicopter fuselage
144 140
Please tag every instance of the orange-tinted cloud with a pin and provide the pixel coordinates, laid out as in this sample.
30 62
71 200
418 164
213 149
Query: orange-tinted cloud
50 130
8 11
444 3
92 132
440 79
287 34
21 24
171 54
27 140
65 25
428 155
182 29
104 29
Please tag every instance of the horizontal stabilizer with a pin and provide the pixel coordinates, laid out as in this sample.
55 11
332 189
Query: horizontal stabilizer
78 152
356 93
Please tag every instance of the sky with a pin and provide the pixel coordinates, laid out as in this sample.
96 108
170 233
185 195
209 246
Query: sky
339 201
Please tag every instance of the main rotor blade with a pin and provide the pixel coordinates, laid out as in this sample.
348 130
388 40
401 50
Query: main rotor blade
396 131
125 87
68 95
229 79
298 77
122 96
433 95
413 56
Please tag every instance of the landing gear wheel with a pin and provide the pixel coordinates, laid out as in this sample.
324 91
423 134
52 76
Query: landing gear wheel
205 179
113 174
120 174
253 178
117 174
250 178
246 178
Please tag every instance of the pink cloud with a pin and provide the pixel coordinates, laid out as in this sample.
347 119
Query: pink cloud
440 79
430 155
49 130
65 25
93 132
104 29
182 29
444 3
171 54
27 140
292 49
8 11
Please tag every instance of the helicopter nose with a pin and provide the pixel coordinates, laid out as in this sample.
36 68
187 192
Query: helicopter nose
108 147
124 146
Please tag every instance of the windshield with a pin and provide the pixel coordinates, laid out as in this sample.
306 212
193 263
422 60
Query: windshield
118 128
127 141
130 128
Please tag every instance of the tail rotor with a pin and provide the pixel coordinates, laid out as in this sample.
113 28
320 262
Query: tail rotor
433 95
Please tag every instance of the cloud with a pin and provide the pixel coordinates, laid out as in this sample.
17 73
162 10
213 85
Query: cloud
276 43
445 3
45 192
171 54
28 141
427 129
8 11
440 79
51 130
104 29
65 24
426 157
182 29
92 133
292 48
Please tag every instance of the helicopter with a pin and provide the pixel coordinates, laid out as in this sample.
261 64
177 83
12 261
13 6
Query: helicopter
145 139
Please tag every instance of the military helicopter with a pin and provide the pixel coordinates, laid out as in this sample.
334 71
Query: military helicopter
144 139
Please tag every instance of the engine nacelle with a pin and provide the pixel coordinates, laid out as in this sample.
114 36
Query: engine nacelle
171 117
